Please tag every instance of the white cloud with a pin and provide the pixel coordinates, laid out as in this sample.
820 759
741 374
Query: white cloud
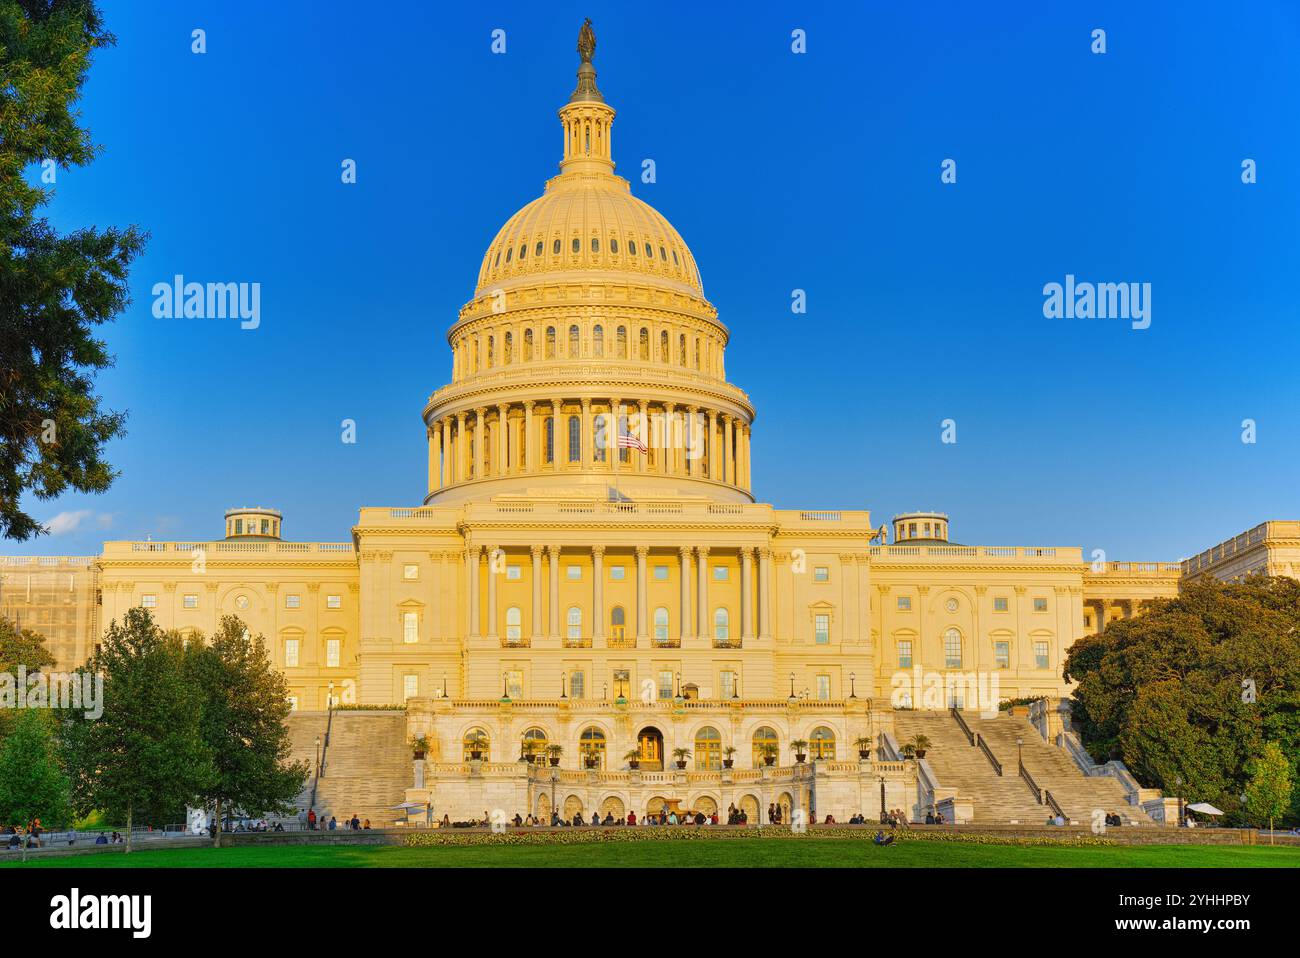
68 522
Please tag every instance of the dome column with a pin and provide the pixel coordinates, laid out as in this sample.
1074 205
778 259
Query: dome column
710 445
433 435
530 443
584 441
642 430
555 435
728 464
459 463
480 441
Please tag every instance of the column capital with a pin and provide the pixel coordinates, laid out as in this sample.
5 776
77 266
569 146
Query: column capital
703 551
535 551
642 551
553 549
684 551
597 551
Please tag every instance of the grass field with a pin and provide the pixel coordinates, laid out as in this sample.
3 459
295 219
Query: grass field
734 853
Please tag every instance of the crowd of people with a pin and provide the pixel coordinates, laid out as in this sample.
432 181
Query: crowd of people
312 823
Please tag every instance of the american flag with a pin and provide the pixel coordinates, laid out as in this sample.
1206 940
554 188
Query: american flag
626 441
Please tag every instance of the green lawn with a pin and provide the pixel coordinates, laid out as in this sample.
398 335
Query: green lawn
739 852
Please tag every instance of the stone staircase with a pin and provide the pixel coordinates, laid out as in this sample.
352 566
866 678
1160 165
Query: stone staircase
367 765
1008 798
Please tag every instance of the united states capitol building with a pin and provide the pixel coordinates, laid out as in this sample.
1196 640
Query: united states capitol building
592 569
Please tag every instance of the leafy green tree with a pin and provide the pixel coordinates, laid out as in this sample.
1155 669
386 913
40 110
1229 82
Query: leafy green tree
145 755
32 782
19 647
1268 793
244 702
54 289
1195 687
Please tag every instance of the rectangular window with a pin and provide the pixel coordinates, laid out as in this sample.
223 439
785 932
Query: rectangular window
719 573
905 653
191 601
1040 655
661 573
410 686
149 600
904 603
1087 622
951 649
1040 605
823 688
727 683
577 685
617 573
291 653
332 653
822 628
410 627
821 574
514 573
573 572
293 601
411 572
1000 603
665 685
1002 654
333 602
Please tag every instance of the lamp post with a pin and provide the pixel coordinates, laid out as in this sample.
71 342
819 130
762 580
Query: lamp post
444 684
1020 762
882 799
505 687
792 695
853 688
564 684
1178 794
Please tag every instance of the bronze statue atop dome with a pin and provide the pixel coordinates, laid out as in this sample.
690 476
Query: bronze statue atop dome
586 41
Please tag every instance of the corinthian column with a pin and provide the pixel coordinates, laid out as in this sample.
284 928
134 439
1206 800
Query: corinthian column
702 619
746 595
554 553
641 553
765 593
598 593
471 577
492 592
685 554
536 552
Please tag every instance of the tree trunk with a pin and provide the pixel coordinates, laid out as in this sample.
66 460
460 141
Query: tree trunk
130 812
216 832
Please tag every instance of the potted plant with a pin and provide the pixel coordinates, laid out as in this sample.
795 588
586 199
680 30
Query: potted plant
553 753
590 759
419 747
769 752
633 759
800 747
528 751
681 755
477 742
920 743
730 752
908 751
864 743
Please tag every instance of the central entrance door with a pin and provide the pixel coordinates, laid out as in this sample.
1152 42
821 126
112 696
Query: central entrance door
650 743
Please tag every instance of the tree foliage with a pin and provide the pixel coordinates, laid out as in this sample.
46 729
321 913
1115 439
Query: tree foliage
32 782
1268 793
54 289
244 702
144 758
1194 689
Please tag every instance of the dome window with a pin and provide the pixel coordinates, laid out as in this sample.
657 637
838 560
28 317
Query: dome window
509 253
497 262
538 251
649 251
577 245
613 245
663 255
631 247
595 244
675 263
556 248
523 251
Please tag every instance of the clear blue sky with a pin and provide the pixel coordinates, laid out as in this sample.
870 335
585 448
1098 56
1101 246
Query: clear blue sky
818 172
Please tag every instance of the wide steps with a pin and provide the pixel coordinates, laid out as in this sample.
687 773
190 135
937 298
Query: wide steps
367 764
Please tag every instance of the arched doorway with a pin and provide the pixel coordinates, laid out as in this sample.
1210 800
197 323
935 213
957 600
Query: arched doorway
572 806
749 805
612 806
705 804
655 805
650 743
544 808
787 803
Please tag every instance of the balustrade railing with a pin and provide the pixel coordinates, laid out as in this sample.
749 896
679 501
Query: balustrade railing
988 753
961 722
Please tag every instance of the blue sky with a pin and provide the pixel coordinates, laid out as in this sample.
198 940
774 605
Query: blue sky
818 171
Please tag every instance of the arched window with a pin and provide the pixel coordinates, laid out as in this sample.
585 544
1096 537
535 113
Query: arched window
681 349
573 341
595 244
663 346
538 250
574 621
952 649
708 749
721 626
550 342
631 246
613 245
491 357
577 245
622 342
821 743
533 742
550 439
648 251
514 624
508 348
523 250
575 439
661 625
591 743
644 348
764 742
598 341
528 345
476 741
697 353
617 622
599 435
509 253
663 255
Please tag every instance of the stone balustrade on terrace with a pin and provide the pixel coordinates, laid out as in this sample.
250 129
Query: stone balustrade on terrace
1127 569
1238 544
775 774
126 549
1049 554
641 511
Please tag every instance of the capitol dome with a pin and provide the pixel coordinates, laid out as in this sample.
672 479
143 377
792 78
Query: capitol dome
588 362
